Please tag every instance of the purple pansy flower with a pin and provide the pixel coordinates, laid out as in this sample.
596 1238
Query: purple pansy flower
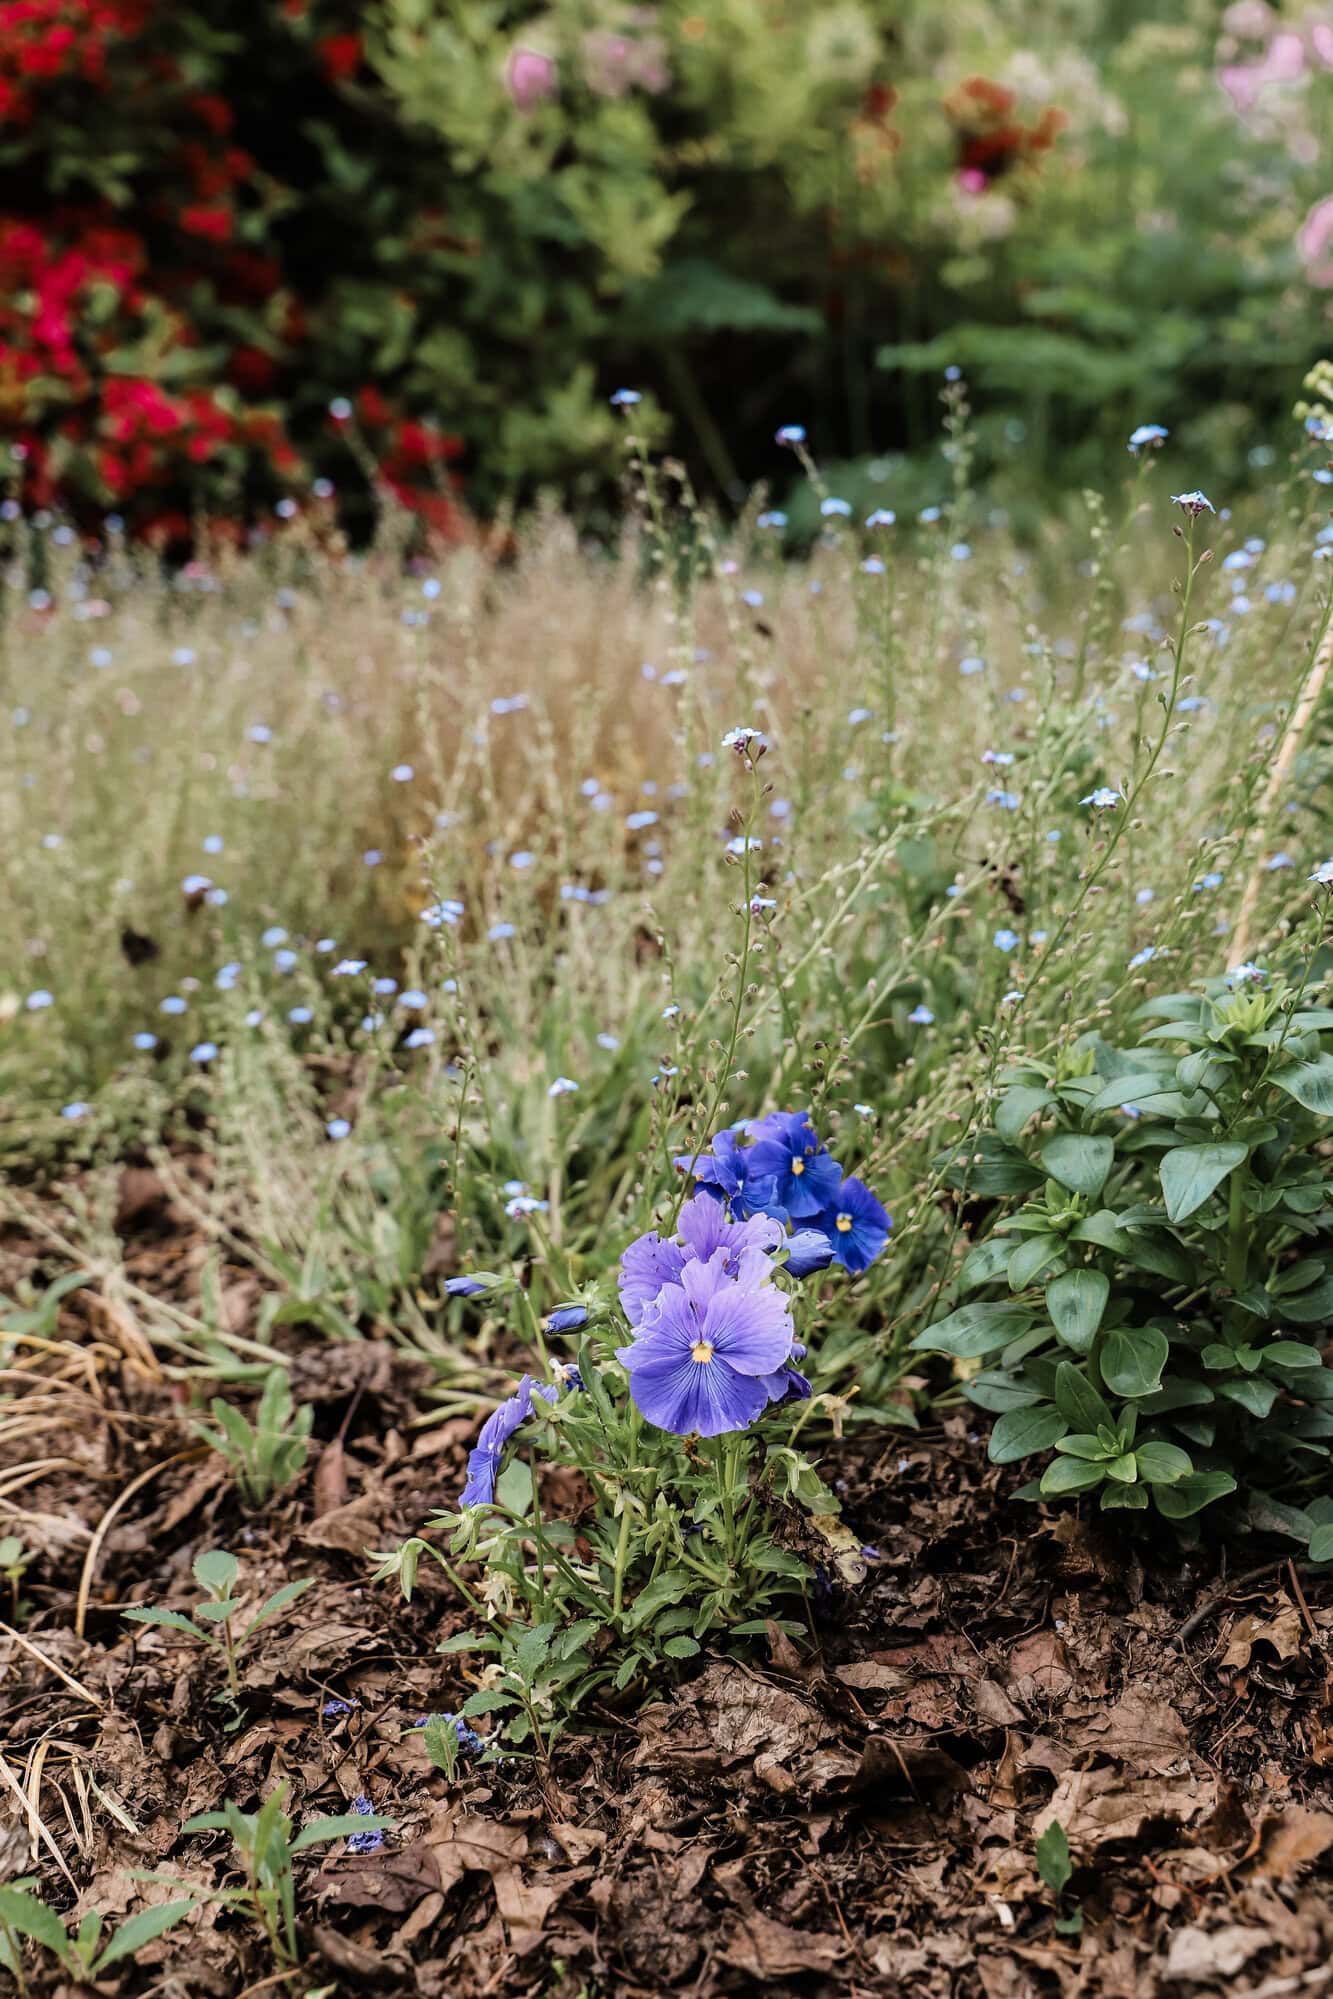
649 1264
483 1463
787 1383
856 1224
700 1368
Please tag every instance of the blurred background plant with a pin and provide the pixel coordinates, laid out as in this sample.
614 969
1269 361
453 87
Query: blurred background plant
258 252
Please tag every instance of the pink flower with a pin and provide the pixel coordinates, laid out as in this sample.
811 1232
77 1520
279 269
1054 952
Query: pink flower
529 77
1283 62
1315 241
972 180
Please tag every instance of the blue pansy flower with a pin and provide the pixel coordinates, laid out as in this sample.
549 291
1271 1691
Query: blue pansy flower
702 1367
805 1175
808 1250
566 1318
857 1224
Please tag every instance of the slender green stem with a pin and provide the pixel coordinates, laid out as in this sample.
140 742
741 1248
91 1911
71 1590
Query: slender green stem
1238 1234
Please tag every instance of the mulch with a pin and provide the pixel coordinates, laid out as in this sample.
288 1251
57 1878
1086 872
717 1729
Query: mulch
855 1816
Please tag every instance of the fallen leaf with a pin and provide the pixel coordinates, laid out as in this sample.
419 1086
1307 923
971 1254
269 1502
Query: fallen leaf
1284 1632
767 1949
1039 1669
1095 1806
1142 1733
1291 1839
330 1482
1199 1955
993 1704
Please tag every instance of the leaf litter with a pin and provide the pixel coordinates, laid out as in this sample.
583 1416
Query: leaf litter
856 1816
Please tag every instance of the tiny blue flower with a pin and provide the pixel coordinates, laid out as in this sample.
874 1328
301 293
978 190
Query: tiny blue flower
338 1127
173 1003
1102 799
1193 503
420 1037
1006 940
624 399
300 1016
74 1112
348 968
883 517
204 1051
402 773
365 1842
36 1002
563 1086
921 1016
145 1042
1147 433
833 506
790 433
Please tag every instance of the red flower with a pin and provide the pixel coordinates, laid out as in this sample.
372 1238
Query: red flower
340 56
214 224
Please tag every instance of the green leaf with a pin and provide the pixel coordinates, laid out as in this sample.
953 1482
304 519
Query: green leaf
486 1700
1015 1107
1321 1544
1053 1862
29 1917
1078 1401
1253 1394
1190 1173
1191 1493
141 1929
1020 1432
1128 1089
1163 1464
513 1488
1069 1475
1076 1300
974 1330
681 1647
985 1262
1132 1360
657 1595
997 1390
276 1603
171 1620
1310 1083
1291 1353
215 1570
320 1831
1078 1162
1032 1257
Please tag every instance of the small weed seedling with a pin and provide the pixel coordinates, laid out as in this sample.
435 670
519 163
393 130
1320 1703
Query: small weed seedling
216 1572
14 1562
266 1844
267 1455
1056 1870
23 1914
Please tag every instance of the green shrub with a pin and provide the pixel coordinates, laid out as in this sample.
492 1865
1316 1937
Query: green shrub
1151 1311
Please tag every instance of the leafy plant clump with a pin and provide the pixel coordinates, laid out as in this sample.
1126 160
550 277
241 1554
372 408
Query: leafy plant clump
1151 1312
691 1511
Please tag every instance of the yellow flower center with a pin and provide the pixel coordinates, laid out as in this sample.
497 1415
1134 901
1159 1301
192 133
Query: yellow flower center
798 1166
702 1351
844 1223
